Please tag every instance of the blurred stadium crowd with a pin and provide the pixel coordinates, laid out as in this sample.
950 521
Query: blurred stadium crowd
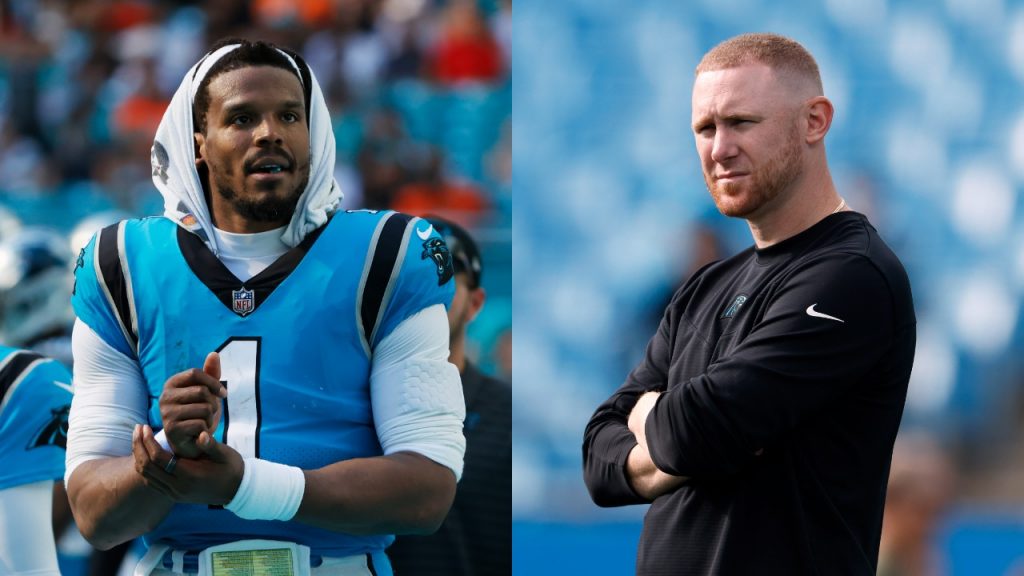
419 93
928 141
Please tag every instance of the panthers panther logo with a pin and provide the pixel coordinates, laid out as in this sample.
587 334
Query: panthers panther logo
437 250
54 432
79 263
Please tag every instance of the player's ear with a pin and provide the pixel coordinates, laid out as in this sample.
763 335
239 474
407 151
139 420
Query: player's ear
200 141
476 302
818 114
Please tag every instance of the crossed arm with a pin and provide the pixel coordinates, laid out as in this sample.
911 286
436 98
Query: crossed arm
782 372
644 477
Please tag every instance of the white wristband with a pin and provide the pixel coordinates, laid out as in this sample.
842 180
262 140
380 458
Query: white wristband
269 491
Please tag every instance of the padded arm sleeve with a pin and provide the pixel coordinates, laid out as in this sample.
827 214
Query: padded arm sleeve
110 398
416 393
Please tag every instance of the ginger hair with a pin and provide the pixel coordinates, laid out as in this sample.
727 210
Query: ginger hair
777 52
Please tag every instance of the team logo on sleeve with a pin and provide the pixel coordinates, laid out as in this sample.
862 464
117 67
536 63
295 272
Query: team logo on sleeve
55 431
243 301
80 263
437 250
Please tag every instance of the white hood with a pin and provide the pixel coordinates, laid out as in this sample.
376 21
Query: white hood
174 167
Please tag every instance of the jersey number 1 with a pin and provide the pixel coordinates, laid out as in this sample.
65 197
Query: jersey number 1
240 373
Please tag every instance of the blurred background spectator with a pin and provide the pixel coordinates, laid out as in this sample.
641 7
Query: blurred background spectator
611 214
419 92
921 487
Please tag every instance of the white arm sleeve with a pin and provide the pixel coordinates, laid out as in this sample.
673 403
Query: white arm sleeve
27 547
110 399
416 393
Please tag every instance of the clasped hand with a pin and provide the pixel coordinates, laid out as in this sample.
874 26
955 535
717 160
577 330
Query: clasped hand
190 406
204 471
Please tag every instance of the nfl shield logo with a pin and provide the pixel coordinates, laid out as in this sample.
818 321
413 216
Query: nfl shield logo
242 301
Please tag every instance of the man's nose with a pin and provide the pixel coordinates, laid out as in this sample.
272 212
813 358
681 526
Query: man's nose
268 131
724 146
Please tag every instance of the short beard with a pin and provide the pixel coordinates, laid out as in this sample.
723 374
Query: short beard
269 209
765 184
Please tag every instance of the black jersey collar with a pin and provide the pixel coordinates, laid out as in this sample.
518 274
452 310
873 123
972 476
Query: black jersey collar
240 297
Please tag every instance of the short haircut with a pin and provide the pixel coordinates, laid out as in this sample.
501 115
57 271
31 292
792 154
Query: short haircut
772 50
249 53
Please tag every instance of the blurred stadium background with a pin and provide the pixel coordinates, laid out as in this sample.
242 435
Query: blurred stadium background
611 215
420 99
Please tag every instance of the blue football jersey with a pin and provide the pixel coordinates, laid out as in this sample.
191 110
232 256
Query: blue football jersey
295 342
35 397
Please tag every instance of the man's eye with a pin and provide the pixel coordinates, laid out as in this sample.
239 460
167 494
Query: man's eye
291 117
241 119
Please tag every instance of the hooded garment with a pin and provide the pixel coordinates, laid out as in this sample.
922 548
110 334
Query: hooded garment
174 167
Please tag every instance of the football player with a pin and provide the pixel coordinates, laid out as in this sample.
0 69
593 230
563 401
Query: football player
261 378
35 285
36 316
35 397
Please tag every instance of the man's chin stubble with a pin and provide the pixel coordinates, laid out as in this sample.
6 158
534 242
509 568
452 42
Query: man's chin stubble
267 209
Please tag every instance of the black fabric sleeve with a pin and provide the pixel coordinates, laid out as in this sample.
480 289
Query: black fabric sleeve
607 440
791 365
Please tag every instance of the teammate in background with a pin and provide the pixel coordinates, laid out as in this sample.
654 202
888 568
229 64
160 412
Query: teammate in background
35 284
35 315
295 357
760 423
35 396
89 225
476 537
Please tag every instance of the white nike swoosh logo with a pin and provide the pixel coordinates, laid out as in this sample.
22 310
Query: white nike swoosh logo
812 312
64 386
424 234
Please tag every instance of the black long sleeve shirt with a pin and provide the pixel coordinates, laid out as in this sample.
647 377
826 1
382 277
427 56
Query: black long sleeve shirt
784 373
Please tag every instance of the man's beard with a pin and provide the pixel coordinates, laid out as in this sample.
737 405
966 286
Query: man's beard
763 185
266 209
